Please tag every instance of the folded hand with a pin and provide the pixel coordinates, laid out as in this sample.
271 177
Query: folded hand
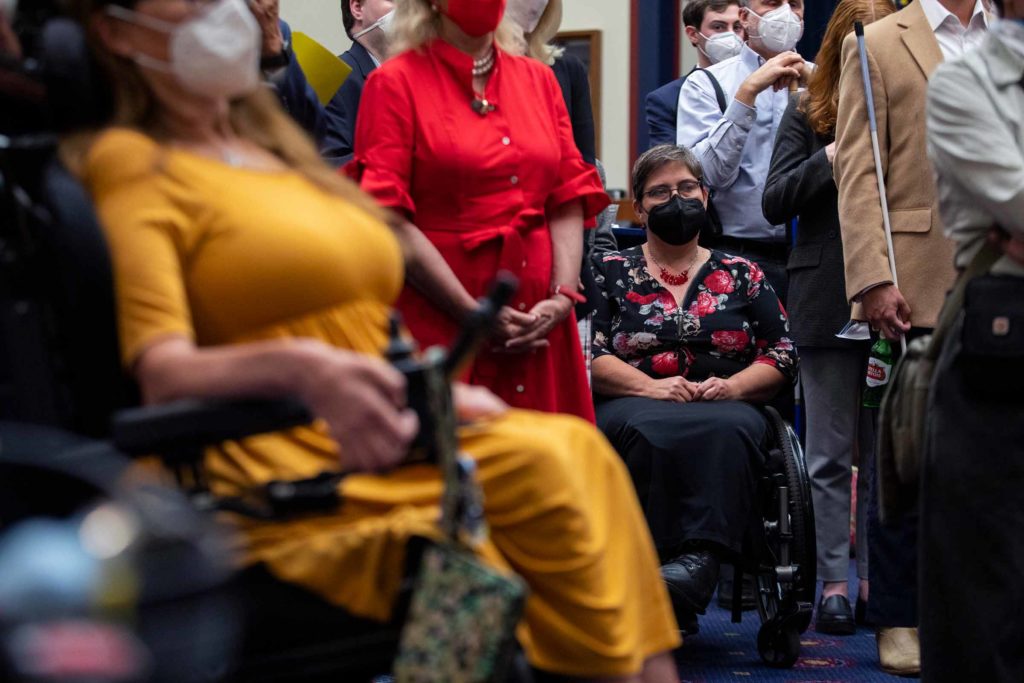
676 389
716 389
548 313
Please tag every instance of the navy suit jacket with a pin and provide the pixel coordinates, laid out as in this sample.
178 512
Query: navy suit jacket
662 106
297 95
344 106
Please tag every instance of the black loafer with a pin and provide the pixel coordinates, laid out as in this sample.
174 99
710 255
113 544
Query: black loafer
835 617
691 579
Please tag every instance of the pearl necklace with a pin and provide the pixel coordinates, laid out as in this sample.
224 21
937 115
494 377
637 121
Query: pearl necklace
483 66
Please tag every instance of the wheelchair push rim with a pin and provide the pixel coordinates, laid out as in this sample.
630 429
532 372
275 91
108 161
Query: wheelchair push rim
787 571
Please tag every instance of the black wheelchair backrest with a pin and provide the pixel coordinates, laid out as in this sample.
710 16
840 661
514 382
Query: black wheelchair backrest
59 364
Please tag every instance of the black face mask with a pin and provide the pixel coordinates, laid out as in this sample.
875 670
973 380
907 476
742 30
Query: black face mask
678 220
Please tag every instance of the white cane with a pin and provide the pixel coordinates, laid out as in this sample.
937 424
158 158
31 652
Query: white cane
858 28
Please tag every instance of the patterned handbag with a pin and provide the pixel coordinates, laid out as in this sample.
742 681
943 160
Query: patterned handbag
463 615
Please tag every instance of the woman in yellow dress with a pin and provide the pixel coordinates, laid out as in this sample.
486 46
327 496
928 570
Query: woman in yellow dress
245 267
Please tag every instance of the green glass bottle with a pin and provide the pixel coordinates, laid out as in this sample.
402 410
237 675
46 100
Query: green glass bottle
879 371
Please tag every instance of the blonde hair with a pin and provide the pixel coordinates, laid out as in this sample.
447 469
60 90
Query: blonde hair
538 43
256 117
416 23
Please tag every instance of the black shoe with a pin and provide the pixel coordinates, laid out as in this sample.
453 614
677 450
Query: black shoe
748 595
690 579
835 617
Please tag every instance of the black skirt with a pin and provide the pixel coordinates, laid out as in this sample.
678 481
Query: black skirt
694 465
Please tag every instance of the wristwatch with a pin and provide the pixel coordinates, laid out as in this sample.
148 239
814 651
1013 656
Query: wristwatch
570 293
278 61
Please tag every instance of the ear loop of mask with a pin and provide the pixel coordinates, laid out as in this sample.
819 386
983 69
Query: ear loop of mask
760 18
139 19
700 48
377 24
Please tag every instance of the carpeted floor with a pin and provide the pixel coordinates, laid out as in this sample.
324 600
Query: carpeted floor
724 651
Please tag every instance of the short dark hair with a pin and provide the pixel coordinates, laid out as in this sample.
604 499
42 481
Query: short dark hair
693 13
346 17
656 158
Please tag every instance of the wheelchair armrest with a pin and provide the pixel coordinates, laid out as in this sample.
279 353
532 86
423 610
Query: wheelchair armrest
183 428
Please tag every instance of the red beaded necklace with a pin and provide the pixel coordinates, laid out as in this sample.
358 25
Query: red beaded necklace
668 277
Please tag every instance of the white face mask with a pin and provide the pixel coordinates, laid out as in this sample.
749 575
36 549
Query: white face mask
780 29
526 13
216 54
721 46
384 24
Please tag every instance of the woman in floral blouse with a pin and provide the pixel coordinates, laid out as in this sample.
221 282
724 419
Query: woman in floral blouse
684 339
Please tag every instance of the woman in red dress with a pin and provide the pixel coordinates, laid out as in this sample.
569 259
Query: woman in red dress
473 146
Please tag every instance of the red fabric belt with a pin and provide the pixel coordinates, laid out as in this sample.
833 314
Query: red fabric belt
512 248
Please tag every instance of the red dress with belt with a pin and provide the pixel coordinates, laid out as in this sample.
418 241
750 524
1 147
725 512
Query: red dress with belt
481 189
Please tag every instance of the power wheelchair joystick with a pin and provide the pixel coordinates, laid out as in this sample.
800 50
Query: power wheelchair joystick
428 377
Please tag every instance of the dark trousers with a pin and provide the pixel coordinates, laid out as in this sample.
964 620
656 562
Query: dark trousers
972 521
892 555
694 466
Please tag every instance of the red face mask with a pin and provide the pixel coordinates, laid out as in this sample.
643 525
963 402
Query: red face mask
476 17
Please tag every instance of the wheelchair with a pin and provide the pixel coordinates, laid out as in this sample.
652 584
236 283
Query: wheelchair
779 547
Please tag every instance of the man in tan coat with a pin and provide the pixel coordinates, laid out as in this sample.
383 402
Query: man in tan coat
903 51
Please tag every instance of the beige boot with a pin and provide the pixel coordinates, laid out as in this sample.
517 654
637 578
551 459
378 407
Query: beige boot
899 651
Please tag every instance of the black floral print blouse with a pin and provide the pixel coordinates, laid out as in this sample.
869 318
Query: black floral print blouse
730 320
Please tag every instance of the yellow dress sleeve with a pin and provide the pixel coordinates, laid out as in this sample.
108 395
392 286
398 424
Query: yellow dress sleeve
148 234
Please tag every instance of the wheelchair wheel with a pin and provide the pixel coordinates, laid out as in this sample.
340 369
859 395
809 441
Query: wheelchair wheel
787 566
778 645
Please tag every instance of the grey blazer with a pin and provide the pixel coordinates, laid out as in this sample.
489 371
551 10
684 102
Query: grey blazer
800 183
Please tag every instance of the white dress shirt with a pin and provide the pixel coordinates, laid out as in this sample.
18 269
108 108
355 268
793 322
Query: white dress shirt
954 39
976 142
734 148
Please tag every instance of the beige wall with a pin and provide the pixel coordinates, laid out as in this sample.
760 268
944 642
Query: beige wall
321 19
687 55
612 18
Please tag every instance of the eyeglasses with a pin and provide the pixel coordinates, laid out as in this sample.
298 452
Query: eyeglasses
687 188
